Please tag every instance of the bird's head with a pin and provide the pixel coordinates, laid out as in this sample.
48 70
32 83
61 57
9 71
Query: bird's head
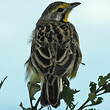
59 11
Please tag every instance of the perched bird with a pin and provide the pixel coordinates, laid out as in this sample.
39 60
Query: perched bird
55 52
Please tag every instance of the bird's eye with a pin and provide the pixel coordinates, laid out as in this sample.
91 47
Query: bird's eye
60 9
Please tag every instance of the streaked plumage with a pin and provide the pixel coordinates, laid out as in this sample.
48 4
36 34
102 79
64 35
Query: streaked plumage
55 53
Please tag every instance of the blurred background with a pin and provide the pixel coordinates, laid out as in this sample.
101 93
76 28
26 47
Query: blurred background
17 20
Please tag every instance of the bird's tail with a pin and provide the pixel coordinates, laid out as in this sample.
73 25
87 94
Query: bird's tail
51 89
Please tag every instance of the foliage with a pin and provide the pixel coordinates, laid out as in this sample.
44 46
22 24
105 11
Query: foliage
94 97
70 97
96 90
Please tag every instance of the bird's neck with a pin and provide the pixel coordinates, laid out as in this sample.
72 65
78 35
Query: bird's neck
57 19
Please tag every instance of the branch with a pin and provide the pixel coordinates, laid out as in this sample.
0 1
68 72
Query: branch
94 96
96 90
83 105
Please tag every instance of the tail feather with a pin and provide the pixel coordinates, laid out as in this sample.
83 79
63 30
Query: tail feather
54 92
50 94
44 100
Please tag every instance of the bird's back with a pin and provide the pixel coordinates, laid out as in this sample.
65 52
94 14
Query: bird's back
54 47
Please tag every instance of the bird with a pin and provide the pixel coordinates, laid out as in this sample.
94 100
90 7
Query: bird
55 52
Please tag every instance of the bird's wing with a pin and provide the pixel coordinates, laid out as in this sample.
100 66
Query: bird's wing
78 59
53 50
40 52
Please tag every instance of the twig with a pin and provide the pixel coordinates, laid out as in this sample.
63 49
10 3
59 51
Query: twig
83 63
83 105
100 93
41 107
67 108
35 107
21 105
98 90
49 107
2 82
88 105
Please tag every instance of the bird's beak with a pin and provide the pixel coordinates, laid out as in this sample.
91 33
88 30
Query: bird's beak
73 5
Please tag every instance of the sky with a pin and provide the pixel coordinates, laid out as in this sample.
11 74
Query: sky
17 21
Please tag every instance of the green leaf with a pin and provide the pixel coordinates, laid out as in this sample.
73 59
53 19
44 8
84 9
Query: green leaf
92 87
108 75
68 96
66 82
99 100
101 81
106 88
33 89
92 97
